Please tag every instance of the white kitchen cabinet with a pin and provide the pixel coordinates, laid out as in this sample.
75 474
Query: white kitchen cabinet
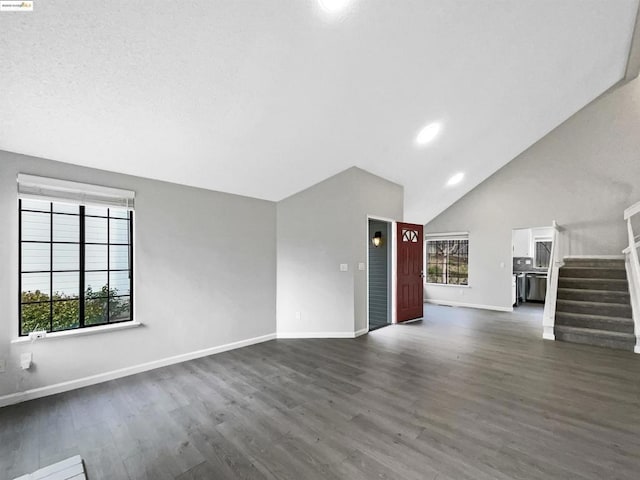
522 243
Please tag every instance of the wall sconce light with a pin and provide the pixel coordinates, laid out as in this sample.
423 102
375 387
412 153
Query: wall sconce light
377 239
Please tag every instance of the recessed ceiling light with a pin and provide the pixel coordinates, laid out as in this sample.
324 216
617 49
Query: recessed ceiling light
333 6
428 133
457 178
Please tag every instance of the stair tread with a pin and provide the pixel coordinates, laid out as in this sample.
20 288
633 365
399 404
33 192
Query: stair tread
591 304
590 264
595 317
595 256
595 332
591 272
579 272
608 284
595 279
591 267
593 291
585 294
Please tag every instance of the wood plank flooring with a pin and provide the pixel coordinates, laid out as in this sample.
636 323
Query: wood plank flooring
465 394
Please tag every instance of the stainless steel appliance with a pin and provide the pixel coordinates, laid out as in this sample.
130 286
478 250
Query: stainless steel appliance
520 288
536 287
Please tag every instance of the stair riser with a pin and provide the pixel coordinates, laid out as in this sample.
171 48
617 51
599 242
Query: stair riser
597 341
616 264
603 296
593 284
598 324
608 310
600 273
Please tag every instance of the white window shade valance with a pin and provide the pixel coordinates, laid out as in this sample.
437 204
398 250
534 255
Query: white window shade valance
31 186
446 236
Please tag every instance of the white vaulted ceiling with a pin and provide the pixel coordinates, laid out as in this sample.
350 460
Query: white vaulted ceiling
267 97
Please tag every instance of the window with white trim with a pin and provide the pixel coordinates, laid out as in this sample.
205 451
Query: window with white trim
75 255
542 252
447 259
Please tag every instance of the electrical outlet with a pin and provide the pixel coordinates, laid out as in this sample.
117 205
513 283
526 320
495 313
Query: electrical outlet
344 267
361 266
3 365
298 315
25 360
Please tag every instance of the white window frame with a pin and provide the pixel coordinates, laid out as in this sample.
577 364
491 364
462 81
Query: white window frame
63 191
535 249
432 237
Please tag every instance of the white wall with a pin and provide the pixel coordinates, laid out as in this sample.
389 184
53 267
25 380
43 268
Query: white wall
318 229
205 276
583 174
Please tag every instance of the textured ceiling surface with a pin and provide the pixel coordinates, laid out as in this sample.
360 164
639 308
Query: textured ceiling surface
267 97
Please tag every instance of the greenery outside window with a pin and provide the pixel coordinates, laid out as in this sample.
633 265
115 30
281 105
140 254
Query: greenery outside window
76 265
448 260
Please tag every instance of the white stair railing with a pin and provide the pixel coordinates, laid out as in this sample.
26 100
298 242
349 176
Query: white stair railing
549 316
632 263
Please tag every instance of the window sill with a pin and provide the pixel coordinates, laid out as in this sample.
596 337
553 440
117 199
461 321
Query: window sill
81 331
445 285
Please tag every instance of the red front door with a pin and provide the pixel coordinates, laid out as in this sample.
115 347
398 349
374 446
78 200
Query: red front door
409 287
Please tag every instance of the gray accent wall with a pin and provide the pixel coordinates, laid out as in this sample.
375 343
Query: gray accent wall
319 229
583 175
205 276
379 269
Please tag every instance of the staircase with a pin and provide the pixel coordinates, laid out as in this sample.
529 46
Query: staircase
593 304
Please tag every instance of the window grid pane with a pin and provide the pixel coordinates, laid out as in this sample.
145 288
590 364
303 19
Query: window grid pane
36 257
66 228
66 257
66 315
36 226
95 230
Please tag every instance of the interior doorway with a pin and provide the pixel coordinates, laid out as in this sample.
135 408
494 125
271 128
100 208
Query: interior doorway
379 273
531 256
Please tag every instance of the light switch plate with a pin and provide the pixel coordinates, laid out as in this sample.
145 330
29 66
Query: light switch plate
344 267
361 266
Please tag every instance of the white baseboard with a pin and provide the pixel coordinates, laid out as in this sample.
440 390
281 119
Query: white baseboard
469 305
636 349
548 328
317 334
361 332
124 372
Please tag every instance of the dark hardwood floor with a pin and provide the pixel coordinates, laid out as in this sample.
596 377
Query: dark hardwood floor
465 394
